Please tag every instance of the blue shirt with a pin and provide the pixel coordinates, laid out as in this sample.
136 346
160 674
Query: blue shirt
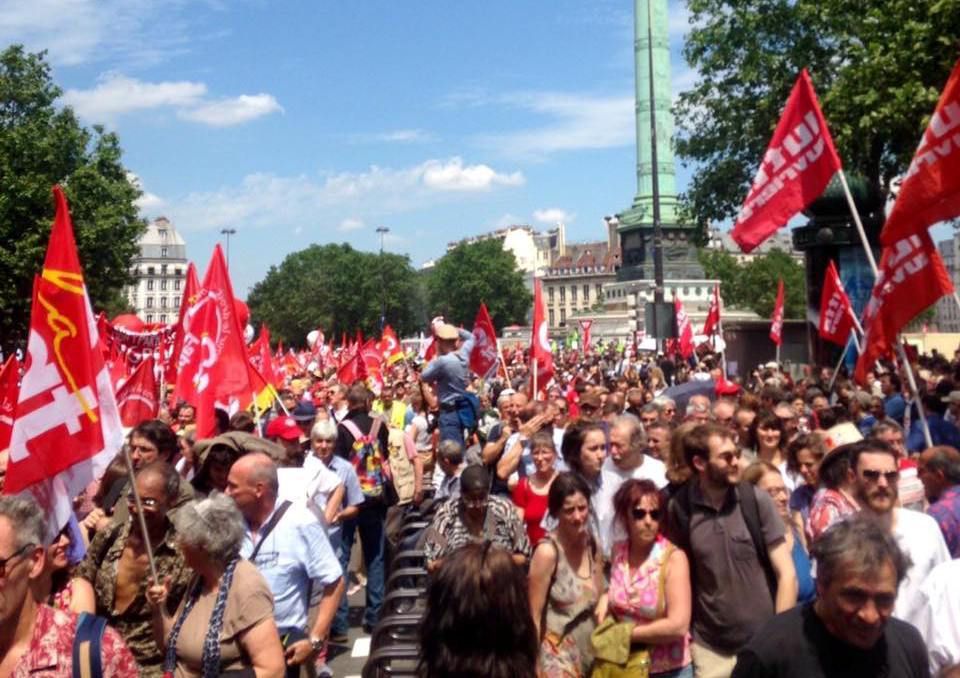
895 407
806 588
450 371
942 432
295 553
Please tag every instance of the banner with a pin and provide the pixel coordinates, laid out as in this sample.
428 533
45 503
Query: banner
9 389
911 278
585 327
540 352
836 313
137 399
776 323
930 191
66 427
713 313
484 357
191 289
684 330
795 170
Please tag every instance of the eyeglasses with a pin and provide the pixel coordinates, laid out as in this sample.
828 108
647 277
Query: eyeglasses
149 502
641 514
874 476
3 563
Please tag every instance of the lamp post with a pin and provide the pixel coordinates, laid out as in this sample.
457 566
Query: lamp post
382 231
228 232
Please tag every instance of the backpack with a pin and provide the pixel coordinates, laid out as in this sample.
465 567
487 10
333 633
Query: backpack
87 646
368 459
679 527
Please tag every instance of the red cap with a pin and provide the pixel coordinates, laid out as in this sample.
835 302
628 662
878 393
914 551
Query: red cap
285 428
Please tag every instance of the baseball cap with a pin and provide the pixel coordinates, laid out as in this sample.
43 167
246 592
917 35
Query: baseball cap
284 428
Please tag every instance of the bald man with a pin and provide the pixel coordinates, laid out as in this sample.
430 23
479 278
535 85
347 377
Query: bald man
290 548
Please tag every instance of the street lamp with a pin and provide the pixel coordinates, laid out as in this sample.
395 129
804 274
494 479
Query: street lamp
228 232
382 231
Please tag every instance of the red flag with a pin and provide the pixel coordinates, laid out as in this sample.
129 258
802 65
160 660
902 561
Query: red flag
836 313
484 357
352 367
66 427
389 346
372 361
776 322
137 398
540 352
267 369
9 389
795 170
213 369
713 313
911 278
585 326
930 191
191 288
684 330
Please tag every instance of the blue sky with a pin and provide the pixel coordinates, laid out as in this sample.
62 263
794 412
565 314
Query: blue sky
303 122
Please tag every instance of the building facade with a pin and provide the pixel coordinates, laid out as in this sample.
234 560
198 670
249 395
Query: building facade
161 271
947 314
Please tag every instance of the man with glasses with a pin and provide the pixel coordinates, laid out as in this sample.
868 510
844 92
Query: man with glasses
36 638
112 579
737 587
874 474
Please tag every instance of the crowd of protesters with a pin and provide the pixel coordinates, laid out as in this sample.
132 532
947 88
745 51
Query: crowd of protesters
640 515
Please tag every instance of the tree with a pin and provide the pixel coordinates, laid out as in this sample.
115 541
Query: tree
338 289
477 272
753 286
41 145
878 68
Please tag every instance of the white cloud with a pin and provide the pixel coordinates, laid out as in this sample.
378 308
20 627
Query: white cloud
553 215
351 224
116 94
234 111
397 136
267 200
148 202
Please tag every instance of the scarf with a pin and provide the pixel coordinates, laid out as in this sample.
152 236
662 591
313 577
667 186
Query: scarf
210 662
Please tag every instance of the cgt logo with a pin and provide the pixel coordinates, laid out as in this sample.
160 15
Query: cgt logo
206 329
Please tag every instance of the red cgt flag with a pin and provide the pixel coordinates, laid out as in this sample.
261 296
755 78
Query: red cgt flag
795 170
836 313
191 289
911 278
540 352
713 313
585 327
9 389
212 370
776 323
930 191
389 346
66 427
484 357
137 398
684 330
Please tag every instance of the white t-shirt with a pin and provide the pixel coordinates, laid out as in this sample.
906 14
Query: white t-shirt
938 616
309 487
920 538
611 478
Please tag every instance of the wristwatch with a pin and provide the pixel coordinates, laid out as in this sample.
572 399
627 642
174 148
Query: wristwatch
316 644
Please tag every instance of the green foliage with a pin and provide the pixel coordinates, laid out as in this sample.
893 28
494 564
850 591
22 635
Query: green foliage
338 289
878 68
39 147
478 272
754 285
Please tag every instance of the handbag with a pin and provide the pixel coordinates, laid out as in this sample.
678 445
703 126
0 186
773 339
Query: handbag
638 660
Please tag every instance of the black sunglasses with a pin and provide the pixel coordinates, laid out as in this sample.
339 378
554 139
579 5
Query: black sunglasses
640 514
3 563
873 476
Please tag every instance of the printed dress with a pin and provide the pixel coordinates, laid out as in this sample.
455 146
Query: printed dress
635 596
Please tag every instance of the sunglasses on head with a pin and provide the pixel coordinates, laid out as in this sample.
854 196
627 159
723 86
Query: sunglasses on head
641 514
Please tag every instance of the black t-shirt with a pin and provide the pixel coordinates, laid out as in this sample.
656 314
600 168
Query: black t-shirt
796 644
363 421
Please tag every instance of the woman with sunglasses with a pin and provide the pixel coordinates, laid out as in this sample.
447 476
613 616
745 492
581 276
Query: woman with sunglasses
650 582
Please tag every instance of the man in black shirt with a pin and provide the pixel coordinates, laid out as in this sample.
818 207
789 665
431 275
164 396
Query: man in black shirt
849 630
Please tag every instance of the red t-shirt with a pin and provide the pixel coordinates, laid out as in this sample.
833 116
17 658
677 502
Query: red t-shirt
534 508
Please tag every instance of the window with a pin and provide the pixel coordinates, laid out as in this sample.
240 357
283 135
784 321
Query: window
149 317
150 270
563 295
551 317
150 285
149 302
176 285
163 302
550 294
163 283
586 294
178 271
599 289
163 317
573 294
697 291
176 302
563 316
163 269
163 252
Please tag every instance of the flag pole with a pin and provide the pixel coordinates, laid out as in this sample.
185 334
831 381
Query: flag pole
843 354
873 265
142 521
